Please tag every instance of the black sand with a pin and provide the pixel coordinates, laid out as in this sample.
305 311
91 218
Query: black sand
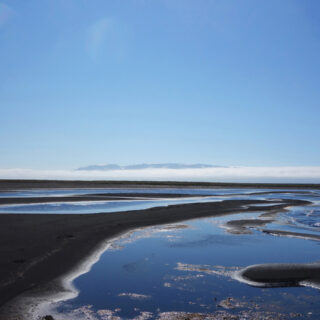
6 184
300 235
93 197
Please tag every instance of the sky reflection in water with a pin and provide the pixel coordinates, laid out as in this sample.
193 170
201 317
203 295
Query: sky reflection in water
115 206
188 268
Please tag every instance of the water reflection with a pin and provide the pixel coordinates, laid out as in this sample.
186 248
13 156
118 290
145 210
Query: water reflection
205 195
187 270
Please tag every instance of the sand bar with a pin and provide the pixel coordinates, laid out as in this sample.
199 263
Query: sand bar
94 197
290 234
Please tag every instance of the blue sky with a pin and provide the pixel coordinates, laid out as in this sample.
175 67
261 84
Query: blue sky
216 81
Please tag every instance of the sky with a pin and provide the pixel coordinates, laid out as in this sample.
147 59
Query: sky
223 82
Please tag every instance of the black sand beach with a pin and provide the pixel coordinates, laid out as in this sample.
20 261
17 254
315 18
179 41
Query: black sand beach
38 248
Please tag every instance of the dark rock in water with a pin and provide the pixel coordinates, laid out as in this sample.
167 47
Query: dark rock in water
48 317
278 275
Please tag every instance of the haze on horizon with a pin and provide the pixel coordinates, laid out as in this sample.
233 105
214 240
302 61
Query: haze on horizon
195 81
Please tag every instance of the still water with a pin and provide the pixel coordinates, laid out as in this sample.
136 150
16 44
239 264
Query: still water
205 195
74 191
189 267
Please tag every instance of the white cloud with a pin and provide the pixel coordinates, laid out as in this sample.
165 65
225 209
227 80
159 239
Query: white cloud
237 174
5 13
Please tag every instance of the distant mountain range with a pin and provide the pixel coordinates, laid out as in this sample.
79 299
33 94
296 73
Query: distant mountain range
148 166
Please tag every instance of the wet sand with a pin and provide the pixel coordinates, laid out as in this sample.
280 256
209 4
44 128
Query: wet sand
38 248
243 226
6 185
94 197
299 235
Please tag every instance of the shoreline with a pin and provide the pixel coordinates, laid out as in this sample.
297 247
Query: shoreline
39 302
4 201
14 184
43 248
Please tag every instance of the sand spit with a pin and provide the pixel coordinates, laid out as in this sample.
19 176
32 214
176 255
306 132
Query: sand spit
94 197
281 275
289 234
243 226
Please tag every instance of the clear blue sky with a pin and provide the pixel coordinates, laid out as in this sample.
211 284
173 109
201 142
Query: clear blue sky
216 81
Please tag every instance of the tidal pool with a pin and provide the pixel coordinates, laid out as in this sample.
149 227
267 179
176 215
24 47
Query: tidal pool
188 268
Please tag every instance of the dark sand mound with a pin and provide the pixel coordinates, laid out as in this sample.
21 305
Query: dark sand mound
94 197
299 235
281 274
243 226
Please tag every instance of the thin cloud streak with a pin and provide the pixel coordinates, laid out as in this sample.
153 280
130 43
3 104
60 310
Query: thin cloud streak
228 174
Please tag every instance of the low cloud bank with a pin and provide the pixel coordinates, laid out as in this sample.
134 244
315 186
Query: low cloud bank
229 174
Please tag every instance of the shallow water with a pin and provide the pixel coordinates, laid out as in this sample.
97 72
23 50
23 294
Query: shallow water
189 266
98 206
74 191
146 274
105 206
138 204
